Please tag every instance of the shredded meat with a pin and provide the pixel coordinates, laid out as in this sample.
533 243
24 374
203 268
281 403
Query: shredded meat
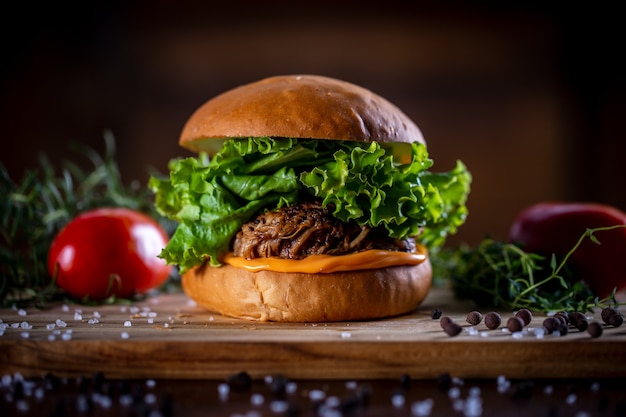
305 229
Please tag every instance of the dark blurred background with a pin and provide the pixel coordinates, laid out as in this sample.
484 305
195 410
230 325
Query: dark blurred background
529 95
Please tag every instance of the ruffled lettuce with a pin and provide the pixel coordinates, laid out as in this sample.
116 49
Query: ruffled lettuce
211 200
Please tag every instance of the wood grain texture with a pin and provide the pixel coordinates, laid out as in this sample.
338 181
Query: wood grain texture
169 337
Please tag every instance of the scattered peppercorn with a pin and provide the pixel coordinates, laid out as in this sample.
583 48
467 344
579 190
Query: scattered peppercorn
452 329
444 321
562 329
444 381
474 318
616 320
574 316
240 381
523 389
493 320
364 394
525 315
581 324
278 386
550 324
606 314
562 317
435 314
405 381
578 320
594 329
515 324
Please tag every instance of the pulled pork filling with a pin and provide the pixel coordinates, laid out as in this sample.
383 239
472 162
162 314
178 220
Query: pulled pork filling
307 228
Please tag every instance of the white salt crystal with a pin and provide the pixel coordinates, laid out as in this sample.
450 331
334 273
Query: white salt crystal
257 399
291 388
223 390
279 406
316 395
22 406
125 400
422 408
454 392
398 400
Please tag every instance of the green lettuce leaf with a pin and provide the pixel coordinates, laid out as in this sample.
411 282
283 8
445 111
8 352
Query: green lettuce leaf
211 200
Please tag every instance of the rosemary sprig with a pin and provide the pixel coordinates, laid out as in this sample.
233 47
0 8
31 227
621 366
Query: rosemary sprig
34 210
502 275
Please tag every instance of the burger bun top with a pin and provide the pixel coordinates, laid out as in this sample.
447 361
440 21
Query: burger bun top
298 106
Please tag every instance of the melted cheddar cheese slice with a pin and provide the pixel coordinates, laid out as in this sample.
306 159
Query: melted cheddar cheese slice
320 264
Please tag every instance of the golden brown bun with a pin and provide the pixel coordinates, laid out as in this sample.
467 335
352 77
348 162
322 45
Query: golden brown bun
298 297
298 106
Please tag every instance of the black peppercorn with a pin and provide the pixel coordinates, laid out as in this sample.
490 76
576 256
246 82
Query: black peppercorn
525 315
616 319
435 314
523 389
452 329
578 320
444 381
240 381
474 318
493 320
405 381
550 324
562 329
562 317
444 321
574 316
594 329
581 324
606 314
515 324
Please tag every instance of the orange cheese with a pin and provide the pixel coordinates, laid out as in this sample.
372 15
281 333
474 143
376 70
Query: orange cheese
320 264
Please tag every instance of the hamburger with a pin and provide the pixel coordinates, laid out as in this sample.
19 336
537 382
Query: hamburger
310 200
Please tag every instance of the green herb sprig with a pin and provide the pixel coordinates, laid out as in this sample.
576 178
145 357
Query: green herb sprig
34 210
502 275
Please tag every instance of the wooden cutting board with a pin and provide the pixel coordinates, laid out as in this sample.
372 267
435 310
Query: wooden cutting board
167 336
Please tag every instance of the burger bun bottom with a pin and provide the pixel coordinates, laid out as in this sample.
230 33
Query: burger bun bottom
300 297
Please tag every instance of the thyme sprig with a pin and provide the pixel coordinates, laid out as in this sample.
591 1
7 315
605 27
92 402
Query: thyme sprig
502 275
35 209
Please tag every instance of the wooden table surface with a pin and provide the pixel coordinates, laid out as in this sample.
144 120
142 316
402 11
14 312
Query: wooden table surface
167 337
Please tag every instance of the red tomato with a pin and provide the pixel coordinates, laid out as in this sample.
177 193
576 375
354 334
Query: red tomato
554 228
109 251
